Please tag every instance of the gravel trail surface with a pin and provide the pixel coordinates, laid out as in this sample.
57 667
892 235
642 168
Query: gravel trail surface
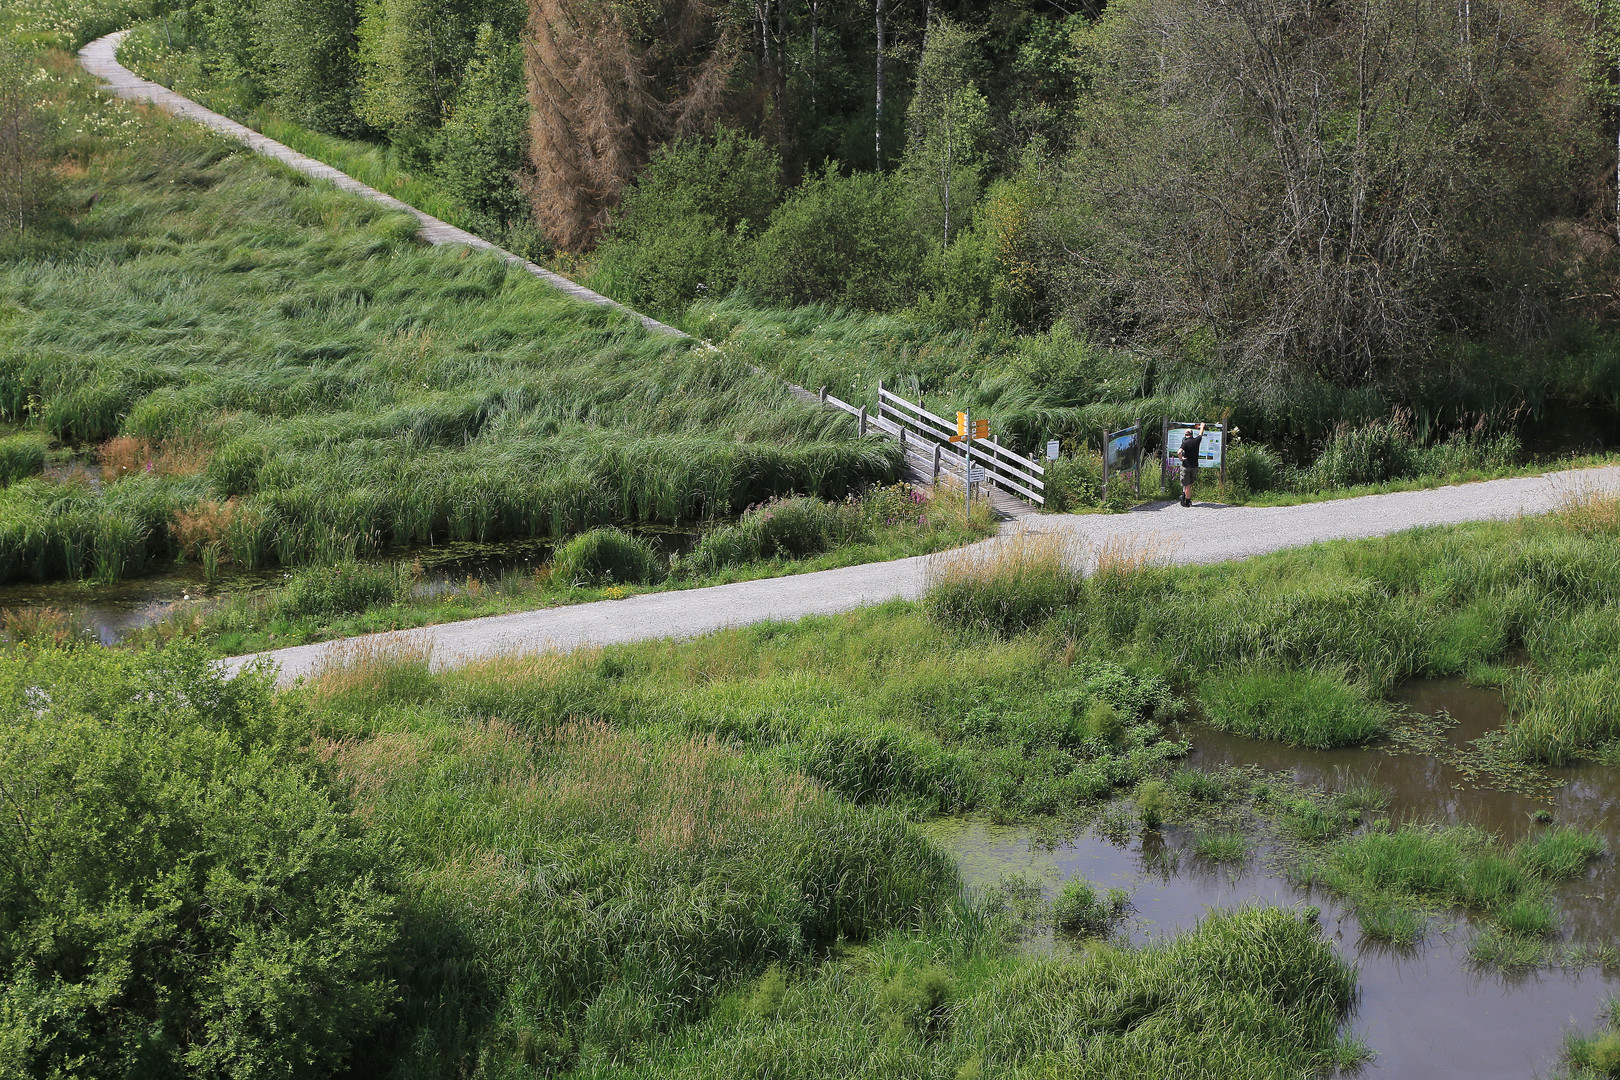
1205 533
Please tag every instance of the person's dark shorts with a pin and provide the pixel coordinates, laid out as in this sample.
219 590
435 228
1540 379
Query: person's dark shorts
1189 475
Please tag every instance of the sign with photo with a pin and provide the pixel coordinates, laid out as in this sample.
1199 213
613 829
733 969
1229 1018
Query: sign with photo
1124 451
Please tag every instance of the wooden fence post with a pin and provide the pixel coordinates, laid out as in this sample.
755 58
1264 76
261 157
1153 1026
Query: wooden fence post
860 421
823 395
936 462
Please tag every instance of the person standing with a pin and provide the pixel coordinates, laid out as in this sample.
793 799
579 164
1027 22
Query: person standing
1191 443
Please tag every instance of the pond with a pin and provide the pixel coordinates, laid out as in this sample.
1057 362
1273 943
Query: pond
1425 1011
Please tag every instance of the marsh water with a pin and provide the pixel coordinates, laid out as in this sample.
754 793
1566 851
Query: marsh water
109 613
1426 1011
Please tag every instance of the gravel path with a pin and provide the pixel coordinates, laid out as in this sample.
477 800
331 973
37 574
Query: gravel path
1204 534
100 58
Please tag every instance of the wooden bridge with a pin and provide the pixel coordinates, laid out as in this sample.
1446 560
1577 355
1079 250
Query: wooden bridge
1013 484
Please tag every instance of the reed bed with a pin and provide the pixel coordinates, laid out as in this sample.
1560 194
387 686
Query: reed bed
217 332
1392 877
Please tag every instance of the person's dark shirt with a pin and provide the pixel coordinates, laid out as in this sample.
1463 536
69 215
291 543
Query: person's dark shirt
1190 446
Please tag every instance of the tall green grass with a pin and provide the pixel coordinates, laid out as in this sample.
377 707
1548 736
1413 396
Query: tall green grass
1298 645
579 890
1386 873
1302 708
349 389
1253 993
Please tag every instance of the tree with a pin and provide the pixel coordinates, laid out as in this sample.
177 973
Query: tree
944 128
610 80
23 175
484 139
1322 189
306 51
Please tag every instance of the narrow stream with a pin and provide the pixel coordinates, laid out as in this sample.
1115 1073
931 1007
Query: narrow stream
1424 1012
109 613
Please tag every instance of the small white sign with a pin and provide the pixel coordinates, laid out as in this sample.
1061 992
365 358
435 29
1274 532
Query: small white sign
1052 449
975 474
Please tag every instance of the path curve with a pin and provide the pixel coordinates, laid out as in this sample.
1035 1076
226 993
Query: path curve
1206 533
100 58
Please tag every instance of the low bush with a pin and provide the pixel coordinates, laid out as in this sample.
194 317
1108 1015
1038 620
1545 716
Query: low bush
347 587
1455 865
1300 708
789 528
1250 993
1080 911
184 896
607 556
1596 1056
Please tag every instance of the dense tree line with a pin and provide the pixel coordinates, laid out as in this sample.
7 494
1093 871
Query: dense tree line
1344 190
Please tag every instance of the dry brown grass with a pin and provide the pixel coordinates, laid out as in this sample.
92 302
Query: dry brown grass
1588 510
1120 556
1016 556
368 664
128 456
36 626
204 524
673 795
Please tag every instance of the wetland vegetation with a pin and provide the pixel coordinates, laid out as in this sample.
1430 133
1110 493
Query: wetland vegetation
732 855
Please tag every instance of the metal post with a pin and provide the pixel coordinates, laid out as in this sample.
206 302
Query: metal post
1105 463
1164 453
1141 449
967 464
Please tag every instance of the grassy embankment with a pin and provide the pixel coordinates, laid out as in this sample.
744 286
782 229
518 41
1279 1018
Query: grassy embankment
258 370
1030 387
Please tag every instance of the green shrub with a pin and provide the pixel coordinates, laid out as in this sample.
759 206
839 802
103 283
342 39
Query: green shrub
1370 454
840 240
1073 482
21 455
1300 708
1152 799
606 556
1252 468
684 231
343 589
789 528
184 897
1080 911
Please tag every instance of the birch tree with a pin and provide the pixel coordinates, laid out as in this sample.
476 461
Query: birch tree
945 127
